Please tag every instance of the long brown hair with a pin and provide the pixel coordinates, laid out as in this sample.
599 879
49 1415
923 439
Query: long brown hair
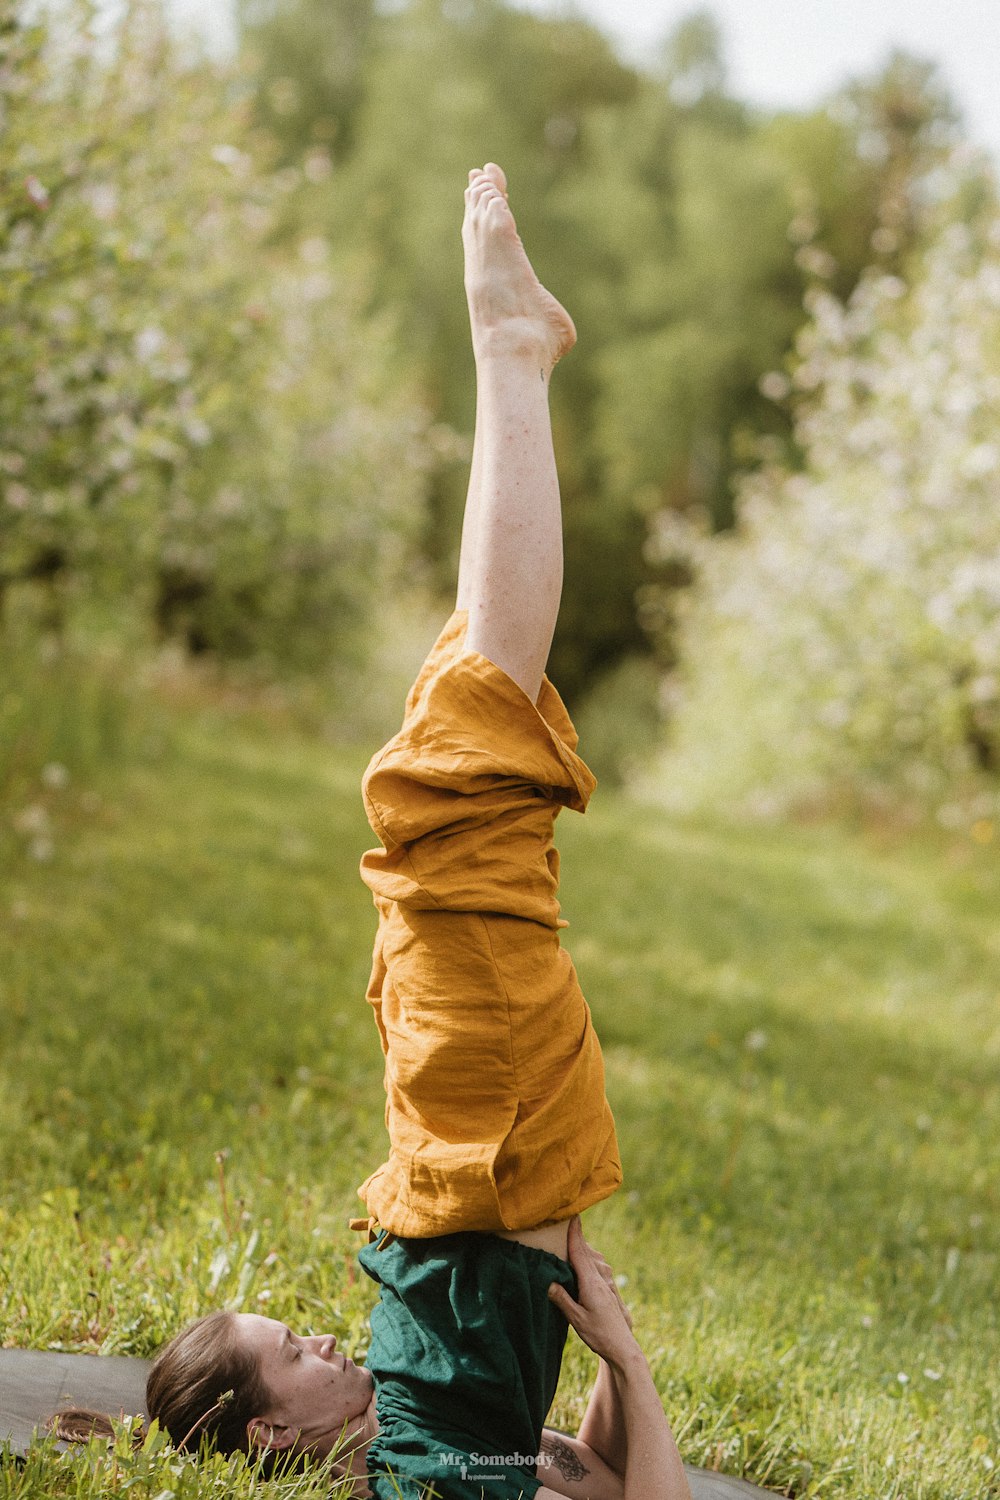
204 1383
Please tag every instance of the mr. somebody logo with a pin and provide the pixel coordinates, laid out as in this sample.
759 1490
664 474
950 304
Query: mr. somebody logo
479 1465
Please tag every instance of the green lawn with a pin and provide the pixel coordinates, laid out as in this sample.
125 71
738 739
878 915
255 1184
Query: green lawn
803 1045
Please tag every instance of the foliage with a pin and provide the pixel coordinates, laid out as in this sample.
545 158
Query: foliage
679 227
845 640
311 63
800 1037
210 272
621 723
198 427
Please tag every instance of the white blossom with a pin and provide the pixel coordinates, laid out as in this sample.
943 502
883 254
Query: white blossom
847 635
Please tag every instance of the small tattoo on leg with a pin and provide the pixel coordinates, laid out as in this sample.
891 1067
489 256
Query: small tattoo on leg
566 1461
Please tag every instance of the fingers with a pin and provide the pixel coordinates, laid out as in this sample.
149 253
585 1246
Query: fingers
599 1317
582 1252
562 1299
577 1249
591 1269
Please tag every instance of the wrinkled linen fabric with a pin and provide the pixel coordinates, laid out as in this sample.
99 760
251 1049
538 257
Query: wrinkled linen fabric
495 1101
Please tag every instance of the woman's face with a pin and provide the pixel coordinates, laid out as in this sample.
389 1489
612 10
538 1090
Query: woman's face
316 1392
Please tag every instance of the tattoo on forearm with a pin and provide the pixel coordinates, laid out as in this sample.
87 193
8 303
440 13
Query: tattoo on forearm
566 1461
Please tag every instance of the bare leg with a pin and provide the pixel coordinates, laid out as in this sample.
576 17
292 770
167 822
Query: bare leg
470 522
510 576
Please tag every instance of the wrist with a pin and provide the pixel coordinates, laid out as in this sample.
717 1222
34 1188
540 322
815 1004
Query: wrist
627 1363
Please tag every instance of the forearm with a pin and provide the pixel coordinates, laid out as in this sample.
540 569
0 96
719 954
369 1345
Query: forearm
653 1468
625 1425
603 1425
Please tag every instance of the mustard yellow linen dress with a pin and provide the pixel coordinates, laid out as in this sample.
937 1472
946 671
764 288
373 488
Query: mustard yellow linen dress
495 1102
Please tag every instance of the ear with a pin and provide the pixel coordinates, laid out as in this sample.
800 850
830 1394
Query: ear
266 1435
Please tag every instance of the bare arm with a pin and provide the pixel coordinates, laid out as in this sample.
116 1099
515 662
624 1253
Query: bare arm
603 1425
600 1443
625 1428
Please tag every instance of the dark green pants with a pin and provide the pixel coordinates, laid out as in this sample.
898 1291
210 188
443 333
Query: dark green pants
465 1354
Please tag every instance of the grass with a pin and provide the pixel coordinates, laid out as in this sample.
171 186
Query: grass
802 1038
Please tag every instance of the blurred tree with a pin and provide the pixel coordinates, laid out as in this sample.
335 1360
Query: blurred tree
310 63
693 61
847 635
196 424
905 123
451 85
223 283
441 101
679 226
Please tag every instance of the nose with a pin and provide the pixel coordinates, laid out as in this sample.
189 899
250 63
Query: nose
326 1345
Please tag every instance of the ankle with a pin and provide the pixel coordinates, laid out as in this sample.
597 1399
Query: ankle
517 343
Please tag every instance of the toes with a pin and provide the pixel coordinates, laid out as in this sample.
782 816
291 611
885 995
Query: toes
483 193
486 199
496 175
490 173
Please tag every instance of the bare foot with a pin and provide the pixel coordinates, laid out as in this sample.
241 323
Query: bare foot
510 310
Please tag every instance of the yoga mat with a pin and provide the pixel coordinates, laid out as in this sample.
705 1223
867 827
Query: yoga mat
34 1383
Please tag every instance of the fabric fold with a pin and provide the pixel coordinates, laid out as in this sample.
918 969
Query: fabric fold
495 1102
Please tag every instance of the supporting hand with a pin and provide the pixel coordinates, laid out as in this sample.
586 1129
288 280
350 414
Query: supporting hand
625 1424
598 1313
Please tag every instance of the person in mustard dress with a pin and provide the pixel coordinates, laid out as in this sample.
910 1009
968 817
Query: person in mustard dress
500 1134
